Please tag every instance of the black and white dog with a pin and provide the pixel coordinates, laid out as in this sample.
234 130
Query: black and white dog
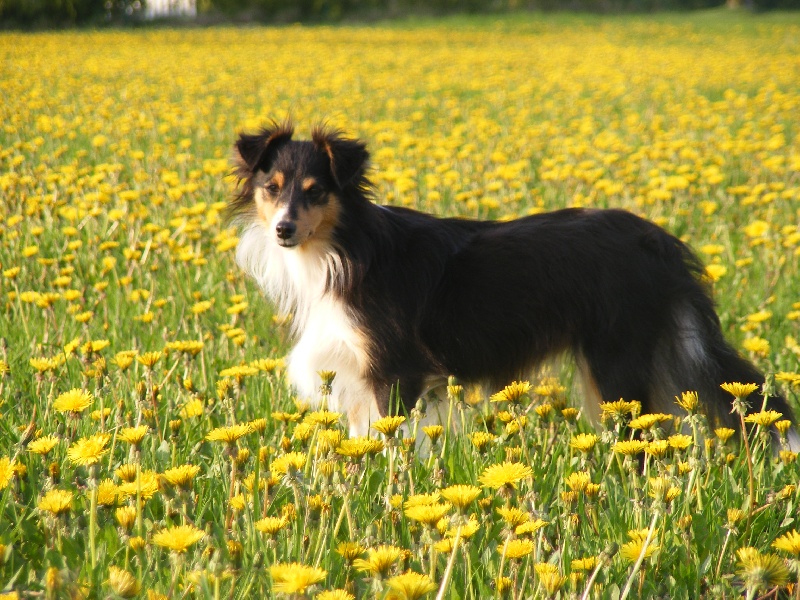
390 298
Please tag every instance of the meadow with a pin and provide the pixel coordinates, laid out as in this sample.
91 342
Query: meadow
150 445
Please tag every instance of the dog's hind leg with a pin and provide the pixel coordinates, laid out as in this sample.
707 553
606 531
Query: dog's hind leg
614 370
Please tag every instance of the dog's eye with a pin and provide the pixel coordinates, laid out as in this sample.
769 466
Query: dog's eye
314 190
273 188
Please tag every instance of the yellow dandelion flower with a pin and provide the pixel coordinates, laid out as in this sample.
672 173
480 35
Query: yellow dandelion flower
503 584
93 346
629 447
56 502
7 472
145 486
178 538
468 529
788 542
188 347
124 359
688 401
325 418
739 390
182 476
715 271
481 440
271 525
620 408
583 442
422 500
239 372
122 582
530 527
410 585
379 560
357 448
549 578
388 425
505 475
337 594
646 422
584 564
757 345
680 441
88 451
662 489
461 496
578 480
228 434
133 435
289 462
328 440
126 472
761 571
765 418
570 413
74 401
43 445
434 432
513 516
630 551
657 448
294 578
193 408
200 307
267 365
724 433
126 517
514 392
349 551
516 548
43 365
149 359
428 514
107 493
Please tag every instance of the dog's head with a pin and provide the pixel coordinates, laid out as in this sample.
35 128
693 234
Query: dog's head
296 188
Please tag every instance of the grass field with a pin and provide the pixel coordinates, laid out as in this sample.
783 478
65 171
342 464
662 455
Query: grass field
149 444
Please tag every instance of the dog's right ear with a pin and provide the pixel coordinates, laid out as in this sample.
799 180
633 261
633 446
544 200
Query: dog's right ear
252 151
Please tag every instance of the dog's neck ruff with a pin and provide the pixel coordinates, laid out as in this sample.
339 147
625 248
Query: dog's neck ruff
295 279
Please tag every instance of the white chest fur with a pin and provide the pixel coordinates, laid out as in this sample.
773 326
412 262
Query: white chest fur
327 338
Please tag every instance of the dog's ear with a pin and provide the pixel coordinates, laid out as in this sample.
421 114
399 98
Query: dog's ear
252 149
348 157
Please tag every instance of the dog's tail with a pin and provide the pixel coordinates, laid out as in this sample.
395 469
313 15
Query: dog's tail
695 356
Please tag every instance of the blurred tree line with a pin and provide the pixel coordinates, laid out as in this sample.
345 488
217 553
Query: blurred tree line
59 13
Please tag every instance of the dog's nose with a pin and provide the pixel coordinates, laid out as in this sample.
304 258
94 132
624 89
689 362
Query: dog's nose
285 229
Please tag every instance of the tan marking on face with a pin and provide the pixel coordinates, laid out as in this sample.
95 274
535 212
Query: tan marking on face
316 223
308 183
278 178
266 209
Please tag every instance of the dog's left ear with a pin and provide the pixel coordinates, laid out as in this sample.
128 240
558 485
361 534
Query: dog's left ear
251 150
349 158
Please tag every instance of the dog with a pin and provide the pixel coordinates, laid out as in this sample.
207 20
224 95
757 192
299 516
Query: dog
394 300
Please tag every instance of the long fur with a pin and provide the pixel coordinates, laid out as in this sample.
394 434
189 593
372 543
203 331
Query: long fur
391 298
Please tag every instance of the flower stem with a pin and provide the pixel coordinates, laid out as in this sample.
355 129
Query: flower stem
449 569
640 559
